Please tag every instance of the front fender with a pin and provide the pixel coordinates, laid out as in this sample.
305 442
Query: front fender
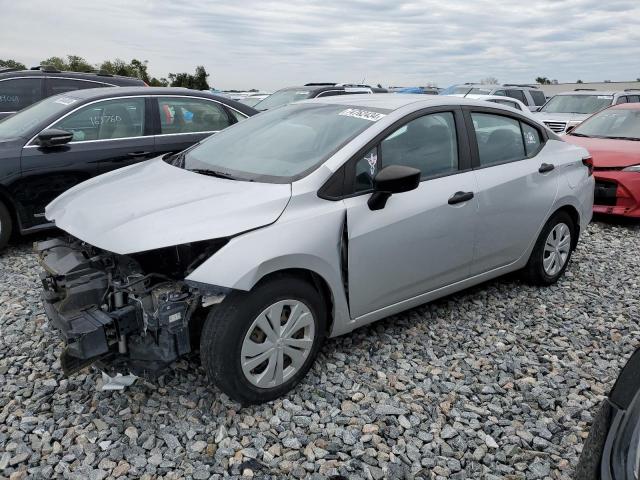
305 237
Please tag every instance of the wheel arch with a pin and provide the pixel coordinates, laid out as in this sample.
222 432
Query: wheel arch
313 278
572 211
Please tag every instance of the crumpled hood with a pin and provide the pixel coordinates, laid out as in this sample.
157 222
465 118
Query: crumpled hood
609 153
153 205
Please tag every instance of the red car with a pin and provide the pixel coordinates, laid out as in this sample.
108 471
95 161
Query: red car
612 136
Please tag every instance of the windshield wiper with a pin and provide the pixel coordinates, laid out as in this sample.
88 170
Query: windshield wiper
579 135
634 139
212 173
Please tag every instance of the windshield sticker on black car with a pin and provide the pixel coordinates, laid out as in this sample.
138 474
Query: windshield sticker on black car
66 101
363 114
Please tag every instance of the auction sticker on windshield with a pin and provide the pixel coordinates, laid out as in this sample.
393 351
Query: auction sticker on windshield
363 114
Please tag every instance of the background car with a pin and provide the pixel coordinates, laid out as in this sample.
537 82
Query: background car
418 90
507 102
313 90
66 139
530 95
21 88
612 137
568 109
254 98
303 222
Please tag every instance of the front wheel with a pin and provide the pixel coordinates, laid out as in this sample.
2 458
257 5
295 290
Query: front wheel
552 251
256 346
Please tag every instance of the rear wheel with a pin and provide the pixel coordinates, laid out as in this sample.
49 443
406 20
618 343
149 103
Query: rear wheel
552 251
6 225
256 346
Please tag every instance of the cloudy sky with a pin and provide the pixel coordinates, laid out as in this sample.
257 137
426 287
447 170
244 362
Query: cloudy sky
270 44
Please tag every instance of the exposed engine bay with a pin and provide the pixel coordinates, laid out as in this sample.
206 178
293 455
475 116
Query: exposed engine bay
131 313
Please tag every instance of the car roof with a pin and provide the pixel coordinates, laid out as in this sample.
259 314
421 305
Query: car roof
103 93
95 76
591 92
627 106
394 101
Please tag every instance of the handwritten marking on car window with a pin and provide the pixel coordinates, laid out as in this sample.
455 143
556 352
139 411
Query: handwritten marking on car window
363 114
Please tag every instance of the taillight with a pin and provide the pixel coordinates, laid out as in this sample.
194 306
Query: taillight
588 162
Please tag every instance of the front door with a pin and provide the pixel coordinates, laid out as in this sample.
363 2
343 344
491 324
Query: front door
423 239
107 134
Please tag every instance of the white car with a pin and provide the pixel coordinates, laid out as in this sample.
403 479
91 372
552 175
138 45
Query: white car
305 222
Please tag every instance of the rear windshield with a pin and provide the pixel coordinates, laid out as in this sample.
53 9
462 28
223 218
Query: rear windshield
22 123
583 104
283 97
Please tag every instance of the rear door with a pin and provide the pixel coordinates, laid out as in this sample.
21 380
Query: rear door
182 121
19 93
517 185
421 240
108 134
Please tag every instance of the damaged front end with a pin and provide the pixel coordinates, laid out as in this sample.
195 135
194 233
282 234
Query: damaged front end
131 313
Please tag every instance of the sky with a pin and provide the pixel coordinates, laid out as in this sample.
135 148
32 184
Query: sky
271 44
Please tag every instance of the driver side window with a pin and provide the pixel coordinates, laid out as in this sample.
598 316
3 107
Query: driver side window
110 119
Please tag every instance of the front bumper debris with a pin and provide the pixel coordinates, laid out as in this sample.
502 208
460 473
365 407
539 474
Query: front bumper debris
108 310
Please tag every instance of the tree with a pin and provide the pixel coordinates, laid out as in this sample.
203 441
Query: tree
489 81
73 63
186 80
579 81
12 64
158 82
117 67
543 81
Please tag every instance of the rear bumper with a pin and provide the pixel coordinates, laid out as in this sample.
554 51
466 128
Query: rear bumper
617 193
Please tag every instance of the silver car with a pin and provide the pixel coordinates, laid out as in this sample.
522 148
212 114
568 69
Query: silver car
302 223
569 109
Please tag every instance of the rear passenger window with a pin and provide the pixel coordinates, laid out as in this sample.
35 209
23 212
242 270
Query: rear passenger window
519 94
538 97
62 85
191 115
499 138
19 93
428 143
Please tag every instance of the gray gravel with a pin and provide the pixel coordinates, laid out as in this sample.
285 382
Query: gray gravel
499 381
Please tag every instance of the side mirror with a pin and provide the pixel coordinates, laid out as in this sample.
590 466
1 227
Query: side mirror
390 180
54 137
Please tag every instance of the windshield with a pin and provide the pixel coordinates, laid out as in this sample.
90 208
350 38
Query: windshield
280 145
584 104
479 91
611 123
283 97
21 123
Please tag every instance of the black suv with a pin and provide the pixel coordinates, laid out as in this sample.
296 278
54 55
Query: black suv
313 90
63 140
21 88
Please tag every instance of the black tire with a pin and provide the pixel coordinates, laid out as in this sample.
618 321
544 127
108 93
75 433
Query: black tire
228 323
534 272
6 225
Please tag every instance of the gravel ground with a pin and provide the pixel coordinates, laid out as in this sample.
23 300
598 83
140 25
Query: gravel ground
499 381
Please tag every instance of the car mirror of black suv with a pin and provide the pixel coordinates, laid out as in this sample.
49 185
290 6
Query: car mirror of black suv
54 137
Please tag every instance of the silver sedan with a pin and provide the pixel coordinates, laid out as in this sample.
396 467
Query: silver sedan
306 222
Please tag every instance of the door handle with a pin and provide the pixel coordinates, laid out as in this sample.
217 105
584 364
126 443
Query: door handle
546 167
460 197
137 154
